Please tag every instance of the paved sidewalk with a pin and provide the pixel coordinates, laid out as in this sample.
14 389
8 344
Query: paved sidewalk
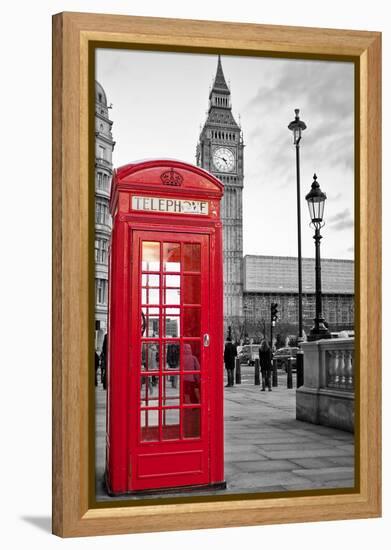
266 448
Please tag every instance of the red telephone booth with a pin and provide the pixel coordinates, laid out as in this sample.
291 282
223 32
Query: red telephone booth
165 339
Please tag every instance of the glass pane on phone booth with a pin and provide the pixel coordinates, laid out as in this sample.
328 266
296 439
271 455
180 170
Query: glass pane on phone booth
150 296
150 322
171 387
191 321
192 257
149 391
172 323
150 256
149 421
170 424
171 257
191 420
191 376
171 356
150 280
192 289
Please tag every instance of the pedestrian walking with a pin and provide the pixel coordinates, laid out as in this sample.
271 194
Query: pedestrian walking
103 363
265 361
230 354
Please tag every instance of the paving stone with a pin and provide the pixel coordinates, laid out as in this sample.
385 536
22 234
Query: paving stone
333 484
303 433
232 457
276 455
313 463
266 466
308 485
260 490
233 446
347 447
327 474
343 460
264 479
298 446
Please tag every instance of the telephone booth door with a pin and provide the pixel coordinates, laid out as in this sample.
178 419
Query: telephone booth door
169 431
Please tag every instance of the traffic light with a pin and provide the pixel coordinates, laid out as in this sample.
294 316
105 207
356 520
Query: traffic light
273 312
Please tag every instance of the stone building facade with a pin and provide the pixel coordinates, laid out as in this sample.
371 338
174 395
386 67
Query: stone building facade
104 145
270 279
220 151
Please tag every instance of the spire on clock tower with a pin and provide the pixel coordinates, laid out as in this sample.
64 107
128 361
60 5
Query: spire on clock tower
220 84
220 94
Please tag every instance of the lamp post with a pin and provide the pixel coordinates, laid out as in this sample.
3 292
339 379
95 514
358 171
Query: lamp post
245 324
297 126
316 199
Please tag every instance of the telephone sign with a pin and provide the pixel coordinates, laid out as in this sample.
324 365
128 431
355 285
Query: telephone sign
177 206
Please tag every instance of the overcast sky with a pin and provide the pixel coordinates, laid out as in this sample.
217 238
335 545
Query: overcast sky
160 100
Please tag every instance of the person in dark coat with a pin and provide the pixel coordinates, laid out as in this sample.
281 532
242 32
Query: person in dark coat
265 362
97 361
230 354
103 363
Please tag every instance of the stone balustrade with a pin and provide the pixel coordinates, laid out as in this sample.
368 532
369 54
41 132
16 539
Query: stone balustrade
327 396
339 364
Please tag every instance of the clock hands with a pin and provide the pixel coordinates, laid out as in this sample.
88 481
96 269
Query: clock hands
225 160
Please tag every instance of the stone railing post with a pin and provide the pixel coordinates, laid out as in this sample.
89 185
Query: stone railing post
327 396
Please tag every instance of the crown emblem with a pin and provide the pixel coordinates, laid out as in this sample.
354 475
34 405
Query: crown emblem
170 177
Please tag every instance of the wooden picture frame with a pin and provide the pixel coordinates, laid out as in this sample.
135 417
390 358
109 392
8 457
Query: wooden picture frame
73 33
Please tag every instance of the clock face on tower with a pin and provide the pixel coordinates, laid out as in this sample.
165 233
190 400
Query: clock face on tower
223 159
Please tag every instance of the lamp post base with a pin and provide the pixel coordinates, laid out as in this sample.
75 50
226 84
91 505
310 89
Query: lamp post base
319 332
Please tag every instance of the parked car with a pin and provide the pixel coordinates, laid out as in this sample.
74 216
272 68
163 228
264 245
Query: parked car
248 353
283 355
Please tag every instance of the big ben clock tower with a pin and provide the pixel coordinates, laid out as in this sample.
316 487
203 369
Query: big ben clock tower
220 151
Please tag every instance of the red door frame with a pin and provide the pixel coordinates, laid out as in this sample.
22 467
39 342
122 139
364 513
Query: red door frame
122 449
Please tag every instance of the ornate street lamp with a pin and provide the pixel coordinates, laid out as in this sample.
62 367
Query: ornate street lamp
316 199
297 126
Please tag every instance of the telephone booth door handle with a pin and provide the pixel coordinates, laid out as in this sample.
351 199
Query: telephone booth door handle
206 340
